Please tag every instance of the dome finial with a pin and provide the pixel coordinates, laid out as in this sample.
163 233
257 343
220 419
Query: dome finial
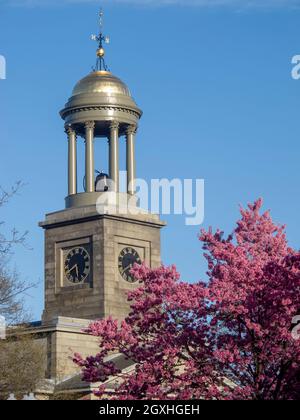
101 39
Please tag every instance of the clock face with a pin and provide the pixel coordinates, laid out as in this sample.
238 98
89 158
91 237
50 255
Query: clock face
128 257
77 265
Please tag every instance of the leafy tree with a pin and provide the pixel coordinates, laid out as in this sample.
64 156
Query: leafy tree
21 357
229 338
12 287
22 364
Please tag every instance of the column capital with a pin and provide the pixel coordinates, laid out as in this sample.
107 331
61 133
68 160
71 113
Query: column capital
114 125
69 130
89 125
131 129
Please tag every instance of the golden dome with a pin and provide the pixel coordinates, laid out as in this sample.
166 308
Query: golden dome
102 82
100 97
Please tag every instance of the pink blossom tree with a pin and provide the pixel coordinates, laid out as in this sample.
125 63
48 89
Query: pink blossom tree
229 338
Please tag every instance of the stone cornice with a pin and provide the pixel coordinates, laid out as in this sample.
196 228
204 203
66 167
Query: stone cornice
54 223
69 111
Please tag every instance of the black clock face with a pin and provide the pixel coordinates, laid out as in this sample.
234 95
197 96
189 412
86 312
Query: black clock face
128 257
77 265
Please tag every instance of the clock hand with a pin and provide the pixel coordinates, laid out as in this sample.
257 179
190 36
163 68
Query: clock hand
125 269
75 266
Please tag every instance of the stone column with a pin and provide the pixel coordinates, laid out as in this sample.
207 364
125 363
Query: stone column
114 154
130 137
72 161
89 157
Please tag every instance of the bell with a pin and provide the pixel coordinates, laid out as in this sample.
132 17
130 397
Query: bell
103 183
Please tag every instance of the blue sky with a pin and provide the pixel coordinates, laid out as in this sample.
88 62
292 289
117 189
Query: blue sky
213 79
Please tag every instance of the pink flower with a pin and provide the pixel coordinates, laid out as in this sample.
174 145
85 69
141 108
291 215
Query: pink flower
229 338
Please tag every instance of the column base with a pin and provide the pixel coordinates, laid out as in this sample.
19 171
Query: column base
91 199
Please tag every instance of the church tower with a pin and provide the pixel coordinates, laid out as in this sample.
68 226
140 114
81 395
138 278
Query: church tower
89 252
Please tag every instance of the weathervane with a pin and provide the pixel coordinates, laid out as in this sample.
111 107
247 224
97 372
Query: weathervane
101 39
